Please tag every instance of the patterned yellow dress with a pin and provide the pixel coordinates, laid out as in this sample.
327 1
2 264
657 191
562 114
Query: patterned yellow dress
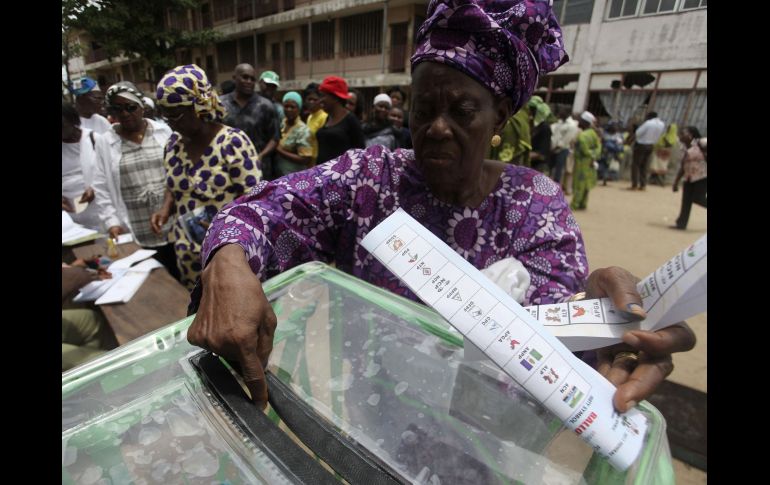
228 168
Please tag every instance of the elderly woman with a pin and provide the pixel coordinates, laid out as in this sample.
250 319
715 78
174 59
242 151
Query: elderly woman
129 176
207 164
469 73
294 152
380 131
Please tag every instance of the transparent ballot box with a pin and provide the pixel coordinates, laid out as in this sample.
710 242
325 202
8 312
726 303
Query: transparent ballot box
365 387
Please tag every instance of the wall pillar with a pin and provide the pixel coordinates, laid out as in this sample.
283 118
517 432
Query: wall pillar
584 79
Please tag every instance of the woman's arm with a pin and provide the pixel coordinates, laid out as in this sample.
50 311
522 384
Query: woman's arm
294 157
289 221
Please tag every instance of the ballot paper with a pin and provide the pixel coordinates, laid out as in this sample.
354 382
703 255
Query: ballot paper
509 335
93 290
128 261
72 231
672 293
129 283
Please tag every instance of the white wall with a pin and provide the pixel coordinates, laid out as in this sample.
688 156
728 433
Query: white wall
656 43
660 42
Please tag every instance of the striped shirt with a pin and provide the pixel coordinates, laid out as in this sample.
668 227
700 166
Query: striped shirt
142 186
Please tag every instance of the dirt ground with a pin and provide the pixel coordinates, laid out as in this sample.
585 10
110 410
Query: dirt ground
630 229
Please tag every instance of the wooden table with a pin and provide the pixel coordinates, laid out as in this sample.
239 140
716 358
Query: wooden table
159 301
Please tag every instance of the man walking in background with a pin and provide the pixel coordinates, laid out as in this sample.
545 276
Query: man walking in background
645 138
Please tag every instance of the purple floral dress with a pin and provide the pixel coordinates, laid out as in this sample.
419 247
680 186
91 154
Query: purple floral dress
323 214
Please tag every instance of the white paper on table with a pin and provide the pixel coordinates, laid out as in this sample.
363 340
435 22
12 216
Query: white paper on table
95 289
72 231
125 263
125 238
124 289
129 283
509 336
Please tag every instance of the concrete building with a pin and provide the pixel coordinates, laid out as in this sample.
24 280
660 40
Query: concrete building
626 56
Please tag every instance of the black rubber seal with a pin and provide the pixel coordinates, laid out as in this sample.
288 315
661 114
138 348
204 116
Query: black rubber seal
352 461
292 460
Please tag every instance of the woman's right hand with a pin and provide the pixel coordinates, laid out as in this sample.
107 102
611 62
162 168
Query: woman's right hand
234 319
115 231
66 205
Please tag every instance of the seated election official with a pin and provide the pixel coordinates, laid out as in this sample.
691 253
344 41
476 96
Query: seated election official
85 334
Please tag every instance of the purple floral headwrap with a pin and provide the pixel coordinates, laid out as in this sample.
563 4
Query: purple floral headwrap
503 44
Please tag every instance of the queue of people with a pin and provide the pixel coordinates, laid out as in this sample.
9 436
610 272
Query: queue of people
229 173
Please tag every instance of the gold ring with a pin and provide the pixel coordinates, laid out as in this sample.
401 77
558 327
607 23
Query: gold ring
578 296
626 356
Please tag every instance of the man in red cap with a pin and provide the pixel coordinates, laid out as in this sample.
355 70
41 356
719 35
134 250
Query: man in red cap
342 130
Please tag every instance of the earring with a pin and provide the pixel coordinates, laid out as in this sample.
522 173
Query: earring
496 140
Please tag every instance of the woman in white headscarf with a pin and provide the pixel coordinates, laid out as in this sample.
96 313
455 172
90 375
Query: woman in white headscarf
380 131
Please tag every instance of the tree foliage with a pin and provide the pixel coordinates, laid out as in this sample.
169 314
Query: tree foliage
135 28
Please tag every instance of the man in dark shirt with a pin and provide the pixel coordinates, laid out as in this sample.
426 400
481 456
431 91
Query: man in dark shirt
254 114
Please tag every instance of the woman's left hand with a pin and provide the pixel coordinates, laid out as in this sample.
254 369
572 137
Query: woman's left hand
158 220
639 364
